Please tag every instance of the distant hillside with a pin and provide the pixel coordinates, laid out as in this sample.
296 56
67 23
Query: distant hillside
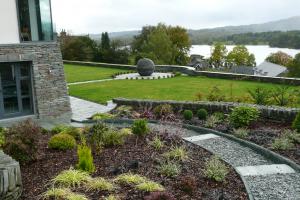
208 36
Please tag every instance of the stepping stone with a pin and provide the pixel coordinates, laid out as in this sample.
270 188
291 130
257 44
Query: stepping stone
264 170
201 137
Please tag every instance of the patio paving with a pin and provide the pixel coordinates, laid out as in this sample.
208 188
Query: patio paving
82 109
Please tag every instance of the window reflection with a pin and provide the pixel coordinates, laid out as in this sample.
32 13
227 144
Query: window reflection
35 20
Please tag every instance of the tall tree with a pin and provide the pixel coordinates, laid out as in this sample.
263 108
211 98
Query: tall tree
105 41
294 67
280 58
240 56
218 55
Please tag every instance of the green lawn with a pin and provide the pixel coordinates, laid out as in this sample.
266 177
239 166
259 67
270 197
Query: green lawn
76 73
179 88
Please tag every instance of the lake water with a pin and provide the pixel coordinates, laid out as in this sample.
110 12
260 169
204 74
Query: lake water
261 52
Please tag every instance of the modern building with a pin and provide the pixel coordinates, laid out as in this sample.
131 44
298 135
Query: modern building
32 81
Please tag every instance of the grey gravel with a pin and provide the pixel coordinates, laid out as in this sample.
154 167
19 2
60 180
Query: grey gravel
233 153
275 187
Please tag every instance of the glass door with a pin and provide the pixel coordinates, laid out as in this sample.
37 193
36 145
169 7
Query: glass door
15 90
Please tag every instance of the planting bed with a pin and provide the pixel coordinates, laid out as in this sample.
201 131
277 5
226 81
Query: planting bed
137 156
262 132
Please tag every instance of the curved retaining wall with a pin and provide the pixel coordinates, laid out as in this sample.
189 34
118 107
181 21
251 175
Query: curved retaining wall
10 178
268 112
192 72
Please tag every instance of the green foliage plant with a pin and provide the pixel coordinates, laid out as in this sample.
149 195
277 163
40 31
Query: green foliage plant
62 141
163 110
150 186
215 94
243 116
71 178
177 153
202 114
188 115
85 158
241 133
99 184
2 137
215 169
169 169
157 143
63 193
211 121
140 127
260 95
102 116
130 179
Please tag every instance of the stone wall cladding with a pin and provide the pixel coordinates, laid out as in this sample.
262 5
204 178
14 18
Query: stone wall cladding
192 72
267 112
50 90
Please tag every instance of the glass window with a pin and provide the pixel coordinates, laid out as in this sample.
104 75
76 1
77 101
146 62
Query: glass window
35 20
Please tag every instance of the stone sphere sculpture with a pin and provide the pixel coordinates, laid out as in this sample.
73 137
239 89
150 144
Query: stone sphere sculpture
145 67
10 178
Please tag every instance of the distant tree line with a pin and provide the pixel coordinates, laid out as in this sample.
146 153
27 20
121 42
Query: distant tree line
83 48
163 44
289 39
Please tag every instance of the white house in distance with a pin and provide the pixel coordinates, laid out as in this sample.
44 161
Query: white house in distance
32 82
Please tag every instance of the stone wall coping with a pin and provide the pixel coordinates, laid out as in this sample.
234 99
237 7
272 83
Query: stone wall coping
269 112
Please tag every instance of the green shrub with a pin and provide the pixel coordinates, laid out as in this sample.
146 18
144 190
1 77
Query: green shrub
282 144
177 153
202 114
163 110
140 127
62 141
188 115
241 133
85 159
169 169
260 95
211 121
96 135
21 141
292 135
73 131
215 169
102 116
124 111
112 137
157 143
296 123
126 131
2 137
243 116
150 186
112 197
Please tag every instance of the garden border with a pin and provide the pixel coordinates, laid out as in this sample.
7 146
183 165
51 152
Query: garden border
268 112
191 71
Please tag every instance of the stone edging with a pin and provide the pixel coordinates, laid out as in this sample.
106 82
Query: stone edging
191 71
267 112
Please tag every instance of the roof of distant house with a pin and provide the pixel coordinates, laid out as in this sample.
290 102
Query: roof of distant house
269 69
242 70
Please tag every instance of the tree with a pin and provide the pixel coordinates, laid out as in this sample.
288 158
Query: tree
159 47
240 56
280 58
105 41
218 55
164 44
294 67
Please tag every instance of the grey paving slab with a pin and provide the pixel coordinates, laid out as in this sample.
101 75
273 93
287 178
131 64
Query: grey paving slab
82 109
201 137
264 170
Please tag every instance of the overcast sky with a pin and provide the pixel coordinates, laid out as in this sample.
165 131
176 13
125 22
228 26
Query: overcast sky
96 16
